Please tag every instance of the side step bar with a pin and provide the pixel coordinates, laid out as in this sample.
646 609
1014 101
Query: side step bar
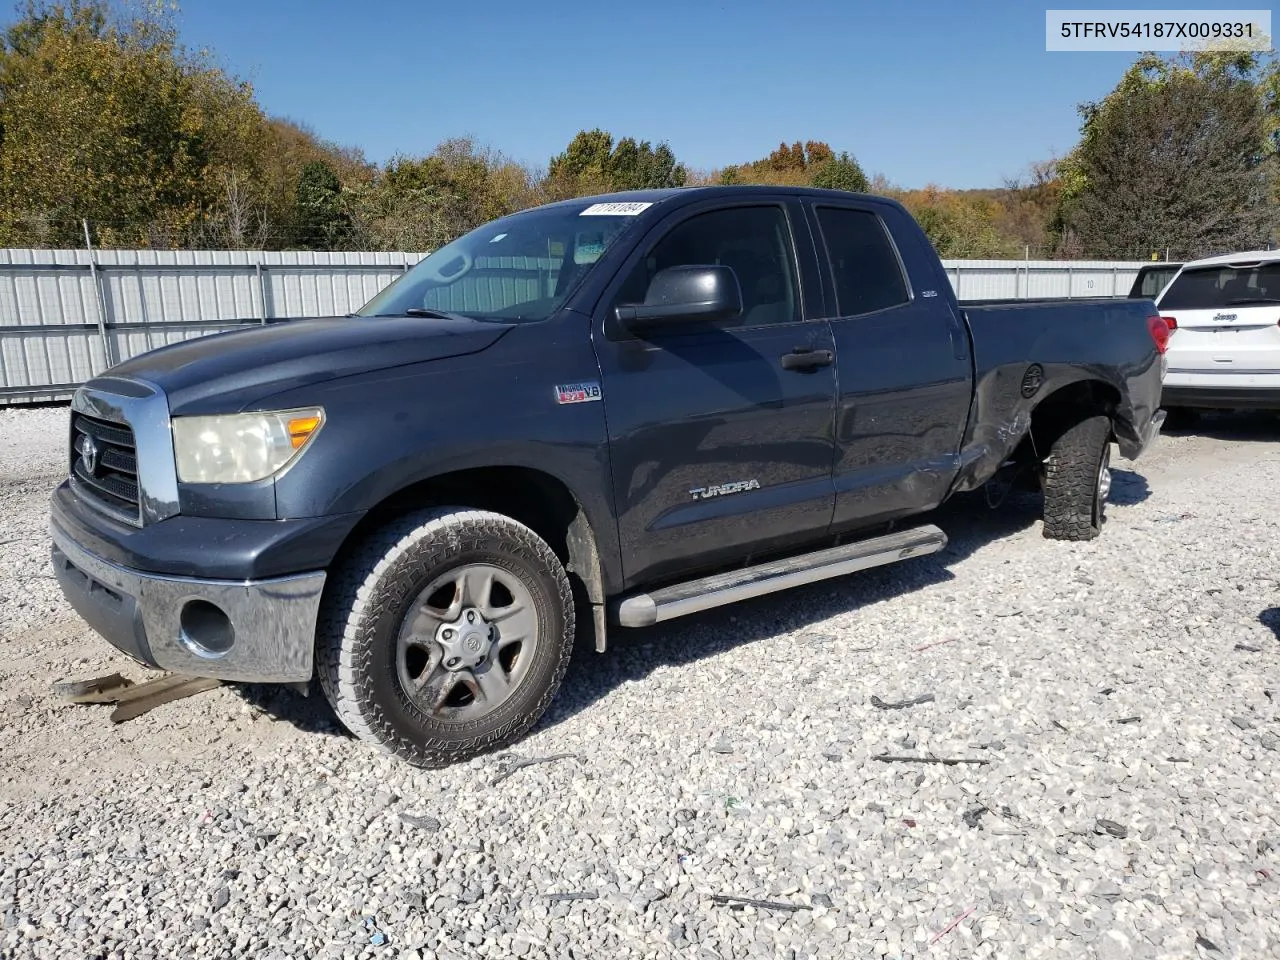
697 595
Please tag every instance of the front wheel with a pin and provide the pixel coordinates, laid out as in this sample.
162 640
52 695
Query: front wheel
445 634
1077 481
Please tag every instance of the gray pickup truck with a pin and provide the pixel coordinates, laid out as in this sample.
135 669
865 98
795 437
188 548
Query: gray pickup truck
600 413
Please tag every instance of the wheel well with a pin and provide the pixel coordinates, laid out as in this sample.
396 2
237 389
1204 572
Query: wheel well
1063 409
538 500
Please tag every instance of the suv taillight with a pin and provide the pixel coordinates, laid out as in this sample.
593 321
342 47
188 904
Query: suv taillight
1159 333
1171 323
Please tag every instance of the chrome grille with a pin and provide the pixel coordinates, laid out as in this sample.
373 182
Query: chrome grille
104 467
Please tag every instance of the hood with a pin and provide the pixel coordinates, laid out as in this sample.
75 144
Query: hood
226 372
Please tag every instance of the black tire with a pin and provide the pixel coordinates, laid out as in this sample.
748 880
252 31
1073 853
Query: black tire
377 594
1180 418
1074 494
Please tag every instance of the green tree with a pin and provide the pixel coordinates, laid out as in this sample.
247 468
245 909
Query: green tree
840 173
592 164
730 175
1180 155
319 220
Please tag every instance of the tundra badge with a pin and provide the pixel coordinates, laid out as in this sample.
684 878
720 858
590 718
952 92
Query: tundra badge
720 489
577 392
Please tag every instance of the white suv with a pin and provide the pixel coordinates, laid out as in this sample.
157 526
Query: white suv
1225 349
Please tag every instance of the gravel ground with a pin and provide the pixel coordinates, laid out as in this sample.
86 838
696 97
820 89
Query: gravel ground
1121 699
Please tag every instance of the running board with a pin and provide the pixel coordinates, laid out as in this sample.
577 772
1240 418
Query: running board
697 595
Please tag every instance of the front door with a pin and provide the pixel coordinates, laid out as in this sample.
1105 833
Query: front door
720 448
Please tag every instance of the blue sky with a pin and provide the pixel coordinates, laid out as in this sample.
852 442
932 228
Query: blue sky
956 92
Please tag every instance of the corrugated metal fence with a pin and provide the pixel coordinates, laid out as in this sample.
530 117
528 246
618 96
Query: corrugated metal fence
66 315
1019 279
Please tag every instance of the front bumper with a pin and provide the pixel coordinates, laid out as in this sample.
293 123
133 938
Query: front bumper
257 631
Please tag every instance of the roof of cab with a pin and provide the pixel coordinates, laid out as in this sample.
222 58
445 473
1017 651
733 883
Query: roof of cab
733 190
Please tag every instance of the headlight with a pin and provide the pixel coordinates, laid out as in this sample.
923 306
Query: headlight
241 447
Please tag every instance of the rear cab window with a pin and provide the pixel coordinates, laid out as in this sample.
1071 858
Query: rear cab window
865 268
1151 280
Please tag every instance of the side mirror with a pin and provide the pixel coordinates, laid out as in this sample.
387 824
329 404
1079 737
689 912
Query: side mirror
677 294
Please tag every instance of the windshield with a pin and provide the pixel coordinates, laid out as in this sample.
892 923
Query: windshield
1207 288
521 267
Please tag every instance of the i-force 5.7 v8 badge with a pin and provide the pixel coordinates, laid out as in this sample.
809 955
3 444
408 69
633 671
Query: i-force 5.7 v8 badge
577 392
720 489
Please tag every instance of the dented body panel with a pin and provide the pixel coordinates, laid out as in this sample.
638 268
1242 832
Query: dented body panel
1056 337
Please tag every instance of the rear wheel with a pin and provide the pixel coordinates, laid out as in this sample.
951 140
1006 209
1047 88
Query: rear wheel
445 634
1077 481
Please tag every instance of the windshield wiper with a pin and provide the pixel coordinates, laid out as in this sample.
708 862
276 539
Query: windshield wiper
1243 300
431 313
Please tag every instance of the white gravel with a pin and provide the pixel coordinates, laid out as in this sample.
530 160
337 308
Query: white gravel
728 754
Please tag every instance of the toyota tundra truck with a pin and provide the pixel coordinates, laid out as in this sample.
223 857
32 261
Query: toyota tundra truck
596 414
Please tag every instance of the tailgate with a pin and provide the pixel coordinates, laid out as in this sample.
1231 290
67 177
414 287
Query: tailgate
1231 340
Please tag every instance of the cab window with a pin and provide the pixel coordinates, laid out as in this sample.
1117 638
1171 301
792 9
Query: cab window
754 241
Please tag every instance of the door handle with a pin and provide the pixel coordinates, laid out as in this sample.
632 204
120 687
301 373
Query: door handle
806 358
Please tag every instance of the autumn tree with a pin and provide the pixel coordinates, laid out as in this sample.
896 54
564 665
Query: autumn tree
424 202
110 120
288 149
1180 155
809 164
961 224
105 117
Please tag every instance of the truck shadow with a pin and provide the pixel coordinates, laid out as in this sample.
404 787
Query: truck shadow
310 713
1127 488
1270 618
1246 426
970 524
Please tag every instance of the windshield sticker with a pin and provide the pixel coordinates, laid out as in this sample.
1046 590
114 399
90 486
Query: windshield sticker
615 209
587 248
497 238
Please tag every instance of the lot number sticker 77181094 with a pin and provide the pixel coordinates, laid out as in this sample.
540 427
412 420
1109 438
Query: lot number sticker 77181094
617 209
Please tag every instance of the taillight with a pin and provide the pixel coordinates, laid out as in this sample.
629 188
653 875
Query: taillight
1159 333
1171 323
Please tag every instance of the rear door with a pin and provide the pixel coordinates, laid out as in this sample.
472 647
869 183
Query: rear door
720 449
904 374
1228 331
